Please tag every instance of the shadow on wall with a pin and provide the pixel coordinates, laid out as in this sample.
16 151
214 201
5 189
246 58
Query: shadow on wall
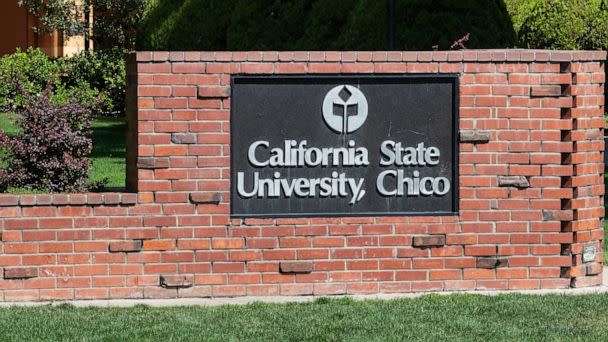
322 24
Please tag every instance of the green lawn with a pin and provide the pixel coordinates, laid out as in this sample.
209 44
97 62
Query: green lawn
108 156
433 317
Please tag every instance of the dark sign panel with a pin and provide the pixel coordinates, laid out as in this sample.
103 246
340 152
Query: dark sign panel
344 145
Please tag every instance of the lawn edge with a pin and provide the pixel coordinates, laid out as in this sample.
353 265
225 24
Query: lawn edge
216 301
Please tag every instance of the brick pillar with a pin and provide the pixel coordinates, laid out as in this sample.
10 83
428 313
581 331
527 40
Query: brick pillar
587 181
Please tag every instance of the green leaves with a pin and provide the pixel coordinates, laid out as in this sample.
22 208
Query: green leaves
114 23
321 24
562 24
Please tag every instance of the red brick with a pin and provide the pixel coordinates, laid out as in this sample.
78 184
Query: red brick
228 243
20 272
126 246
158 245
296 267
176 281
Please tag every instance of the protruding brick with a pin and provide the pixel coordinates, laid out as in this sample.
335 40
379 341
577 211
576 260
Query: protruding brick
44 199
428 241
111 198
152 163
8 200
205 197
126 246
213 92
593 269
474 136
176 281
128 199
20 273
61 199
95 199
296 267
183 138
514 181
557 215
586 281
546 91
27 200
492 262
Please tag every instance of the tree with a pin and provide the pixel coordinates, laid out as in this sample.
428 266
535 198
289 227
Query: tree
113 25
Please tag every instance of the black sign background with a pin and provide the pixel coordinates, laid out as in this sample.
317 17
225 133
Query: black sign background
404 108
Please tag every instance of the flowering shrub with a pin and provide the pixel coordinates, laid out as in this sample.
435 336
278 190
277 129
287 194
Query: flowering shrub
51 151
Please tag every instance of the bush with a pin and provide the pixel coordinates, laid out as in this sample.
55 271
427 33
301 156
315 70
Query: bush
32 69
51 151
321 24
104 72
561 24
95 79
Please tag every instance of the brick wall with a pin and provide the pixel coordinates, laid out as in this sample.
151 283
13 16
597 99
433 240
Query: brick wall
531 189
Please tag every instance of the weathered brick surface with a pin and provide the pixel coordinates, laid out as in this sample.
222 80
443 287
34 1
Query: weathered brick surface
296 266
531 189
206 197
492 262
474 136
547 90
126 246
176 281
514 181
428 241
183 138
20 273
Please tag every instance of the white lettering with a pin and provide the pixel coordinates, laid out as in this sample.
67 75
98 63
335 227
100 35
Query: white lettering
251 155
395 154
411 185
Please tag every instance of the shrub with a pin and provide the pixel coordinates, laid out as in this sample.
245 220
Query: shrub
95 79
103 73
51 151
561 24
32 69
321 24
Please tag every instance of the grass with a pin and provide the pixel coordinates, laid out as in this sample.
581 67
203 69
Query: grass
108 156
433 317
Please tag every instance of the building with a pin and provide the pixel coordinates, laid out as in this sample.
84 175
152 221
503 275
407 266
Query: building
18 27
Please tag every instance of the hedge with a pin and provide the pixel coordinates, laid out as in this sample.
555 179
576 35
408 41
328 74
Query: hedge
321 24
362 24
561 24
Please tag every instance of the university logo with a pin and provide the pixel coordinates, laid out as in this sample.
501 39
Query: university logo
345 109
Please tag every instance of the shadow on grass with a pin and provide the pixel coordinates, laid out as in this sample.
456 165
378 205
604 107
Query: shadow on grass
109 135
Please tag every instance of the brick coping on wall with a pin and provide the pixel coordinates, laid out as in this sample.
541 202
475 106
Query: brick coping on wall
491 55
73 199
